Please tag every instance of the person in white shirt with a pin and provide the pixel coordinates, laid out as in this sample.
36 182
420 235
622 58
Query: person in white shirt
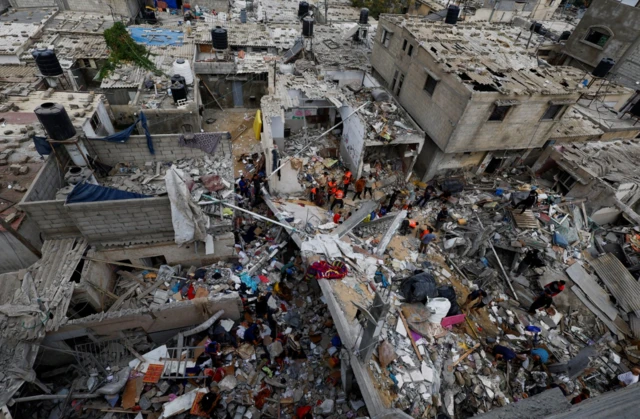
629 378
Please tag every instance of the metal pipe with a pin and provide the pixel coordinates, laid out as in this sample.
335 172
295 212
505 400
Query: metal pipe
506 277
317 138
216 200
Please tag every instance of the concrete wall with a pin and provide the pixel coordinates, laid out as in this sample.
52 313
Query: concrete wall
15 255
352 144
186 255
128 221
222 90
621 20
127 8
33 3
437 115
168 317
136 151
170 121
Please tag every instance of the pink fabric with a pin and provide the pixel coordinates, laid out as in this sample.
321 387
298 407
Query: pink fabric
451 320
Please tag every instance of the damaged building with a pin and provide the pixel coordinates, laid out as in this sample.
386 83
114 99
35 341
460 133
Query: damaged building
472 100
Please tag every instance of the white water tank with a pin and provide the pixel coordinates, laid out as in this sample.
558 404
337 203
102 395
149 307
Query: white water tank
182 67
439 307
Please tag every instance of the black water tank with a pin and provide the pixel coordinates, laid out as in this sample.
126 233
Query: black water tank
47 62
603 68
150 17
307 26
565 35
219 38
177 78
178 91
364 16
303 8
452 15
55 121
635 109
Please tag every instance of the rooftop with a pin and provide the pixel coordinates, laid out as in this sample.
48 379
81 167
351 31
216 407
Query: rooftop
28 16
335 47
488 57
152 36
70 47
17 30
80 23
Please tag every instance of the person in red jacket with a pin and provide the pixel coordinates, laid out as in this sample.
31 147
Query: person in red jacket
336 217
338 199
554 288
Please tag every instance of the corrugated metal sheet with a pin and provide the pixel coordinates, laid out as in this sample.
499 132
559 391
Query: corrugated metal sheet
618 281
634 323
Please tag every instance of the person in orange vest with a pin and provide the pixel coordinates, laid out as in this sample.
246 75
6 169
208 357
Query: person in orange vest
313 192
408 223
346 180
337 199
360 184
332 187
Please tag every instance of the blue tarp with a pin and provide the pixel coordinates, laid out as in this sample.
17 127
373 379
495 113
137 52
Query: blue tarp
42 145
87 192
123 136
158 36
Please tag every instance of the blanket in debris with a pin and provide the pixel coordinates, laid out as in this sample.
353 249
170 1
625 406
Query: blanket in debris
326 270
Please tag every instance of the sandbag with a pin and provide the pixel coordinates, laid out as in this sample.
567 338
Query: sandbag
418 288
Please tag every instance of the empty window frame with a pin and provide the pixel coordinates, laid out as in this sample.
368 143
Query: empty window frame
386 37
404 45
597 36
396 85
499 112
553 112
410 52
430 85
95 123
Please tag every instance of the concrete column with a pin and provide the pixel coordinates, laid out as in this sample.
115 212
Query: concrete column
346 371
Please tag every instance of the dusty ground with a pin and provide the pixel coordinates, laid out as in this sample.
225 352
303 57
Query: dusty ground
239 122
9 196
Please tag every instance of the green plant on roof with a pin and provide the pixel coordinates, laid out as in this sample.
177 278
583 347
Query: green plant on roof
123 49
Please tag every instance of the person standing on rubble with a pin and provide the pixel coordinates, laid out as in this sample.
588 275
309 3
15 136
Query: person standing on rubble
322 182
554 288
392 200
360 187
543 301
346 180
441 218
312 192
257 193
368 186
332 187
337 199
425 240
407 223
529 201
532 258
506 354
276 161
244 186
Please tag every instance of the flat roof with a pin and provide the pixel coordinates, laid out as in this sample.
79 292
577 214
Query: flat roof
334 46
86 23
28 16
488 57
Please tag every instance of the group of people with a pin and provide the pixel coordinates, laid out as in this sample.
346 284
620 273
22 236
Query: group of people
248 191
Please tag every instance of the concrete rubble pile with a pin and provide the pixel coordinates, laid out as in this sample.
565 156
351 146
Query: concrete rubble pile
150 178
448 367
281 360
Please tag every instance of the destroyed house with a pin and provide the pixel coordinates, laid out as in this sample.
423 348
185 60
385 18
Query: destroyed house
473 88
374 129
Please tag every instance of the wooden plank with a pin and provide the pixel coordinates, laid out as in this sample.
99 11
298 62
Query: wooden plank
526 220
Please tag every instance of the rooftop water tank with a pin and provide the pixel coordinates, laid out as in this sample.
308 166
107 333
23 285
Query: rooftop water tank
47 62
178 91
177 78
55 121
303 8
182 68
452 15
307 26
603 68
219 38
364 16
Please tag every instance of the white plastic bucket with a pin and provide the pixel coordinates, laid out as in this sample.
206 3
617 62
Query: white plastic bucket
439 307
